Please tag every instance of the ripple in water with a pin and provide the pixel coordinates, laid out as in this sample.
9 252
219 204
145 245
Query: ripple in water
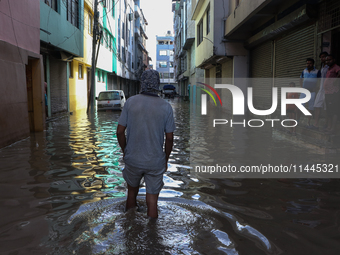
184 227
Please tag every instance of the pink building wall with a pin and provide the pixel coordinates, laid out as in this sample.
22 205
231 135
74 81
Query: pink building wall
20 23
21 70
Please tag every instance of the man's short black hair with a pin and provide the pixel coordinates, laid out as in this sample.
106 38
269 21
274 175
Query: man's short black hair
323 53
310 59
331 55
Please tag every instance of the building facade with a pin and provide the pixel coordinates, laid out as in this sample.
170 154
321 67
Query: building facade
141 57
265 39
61 40
125 77
184 58
165 59
48 49
22 99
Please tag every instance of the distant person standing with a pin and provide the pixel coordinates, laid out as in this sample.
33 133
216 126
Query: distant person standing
320 97
309 80
332 93
147 118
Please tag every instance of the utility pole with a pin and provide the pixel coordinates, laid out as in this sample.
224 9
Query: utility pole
93 69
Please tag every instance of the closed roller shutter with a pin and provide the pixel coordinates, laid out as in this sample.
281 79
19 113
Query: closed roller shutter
261 72
227 69
291 53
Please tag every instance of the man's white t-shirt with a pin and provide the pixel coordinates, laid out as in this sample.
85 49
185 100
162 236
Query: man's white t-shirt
146 119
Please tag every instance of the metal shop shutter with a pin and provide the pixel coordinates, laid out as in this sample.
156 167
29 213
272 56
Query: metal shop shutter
227 69
291 53
261 72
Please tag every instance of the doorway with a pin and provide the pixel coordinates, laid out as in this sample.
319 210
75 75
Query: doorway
336 44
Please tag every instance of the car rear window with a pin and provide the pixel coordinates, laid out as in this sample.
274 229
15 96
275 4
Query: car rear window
113 95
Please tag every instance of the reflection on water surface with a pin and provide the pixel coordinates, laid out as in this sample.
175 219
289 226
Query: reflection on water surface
62 192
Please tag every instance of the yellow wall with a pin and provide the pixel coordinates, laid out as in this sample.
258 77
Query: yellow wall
205 50
78 88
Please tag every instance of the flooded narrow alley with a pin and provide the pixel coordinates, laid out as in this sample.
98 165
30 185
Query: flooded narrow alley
62 192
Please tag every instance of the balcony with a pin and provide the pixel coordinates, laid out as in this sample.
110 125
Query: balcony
137 11
137 32
243 16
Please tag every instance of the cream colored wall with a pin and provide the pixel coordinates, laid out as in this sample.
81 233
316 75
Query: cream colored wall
205 49
242 12
232 5
87 37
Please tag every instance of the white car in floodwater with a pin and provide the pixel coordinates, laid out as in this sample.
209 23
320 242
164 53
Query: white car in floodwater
111 100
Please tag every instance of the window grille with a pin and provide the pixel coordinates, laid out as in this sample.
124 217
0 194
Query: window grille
329 15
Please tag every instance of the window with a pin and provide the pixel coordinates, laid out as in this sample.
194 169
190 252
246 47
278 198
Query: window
166 75
103 76
80 72
106 39
70 65
208 20
171 64
199 32
161 42
129 59
114 95
171 42
171 53
72 8
90 24
123 30
123 55
171 75
163 64
99 74
53 4
162 53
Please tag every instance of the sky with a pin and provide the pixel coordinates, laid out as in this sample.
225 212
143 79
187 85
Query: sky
159 15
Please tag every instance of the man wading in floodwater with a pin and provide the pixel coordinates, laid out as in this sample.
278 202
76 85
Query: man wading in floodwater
146 117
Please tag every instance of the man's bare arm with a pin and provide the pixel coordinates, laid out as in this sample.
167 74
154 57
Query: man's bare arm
169 141
121 137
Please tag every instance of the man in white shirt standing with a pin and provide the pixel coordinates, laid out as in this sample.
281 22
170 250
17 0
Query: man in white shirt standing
320 97
147 118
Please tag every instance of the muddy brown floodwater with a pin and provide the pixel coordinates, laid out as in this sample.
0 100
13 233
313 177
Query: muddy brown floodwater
62 192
